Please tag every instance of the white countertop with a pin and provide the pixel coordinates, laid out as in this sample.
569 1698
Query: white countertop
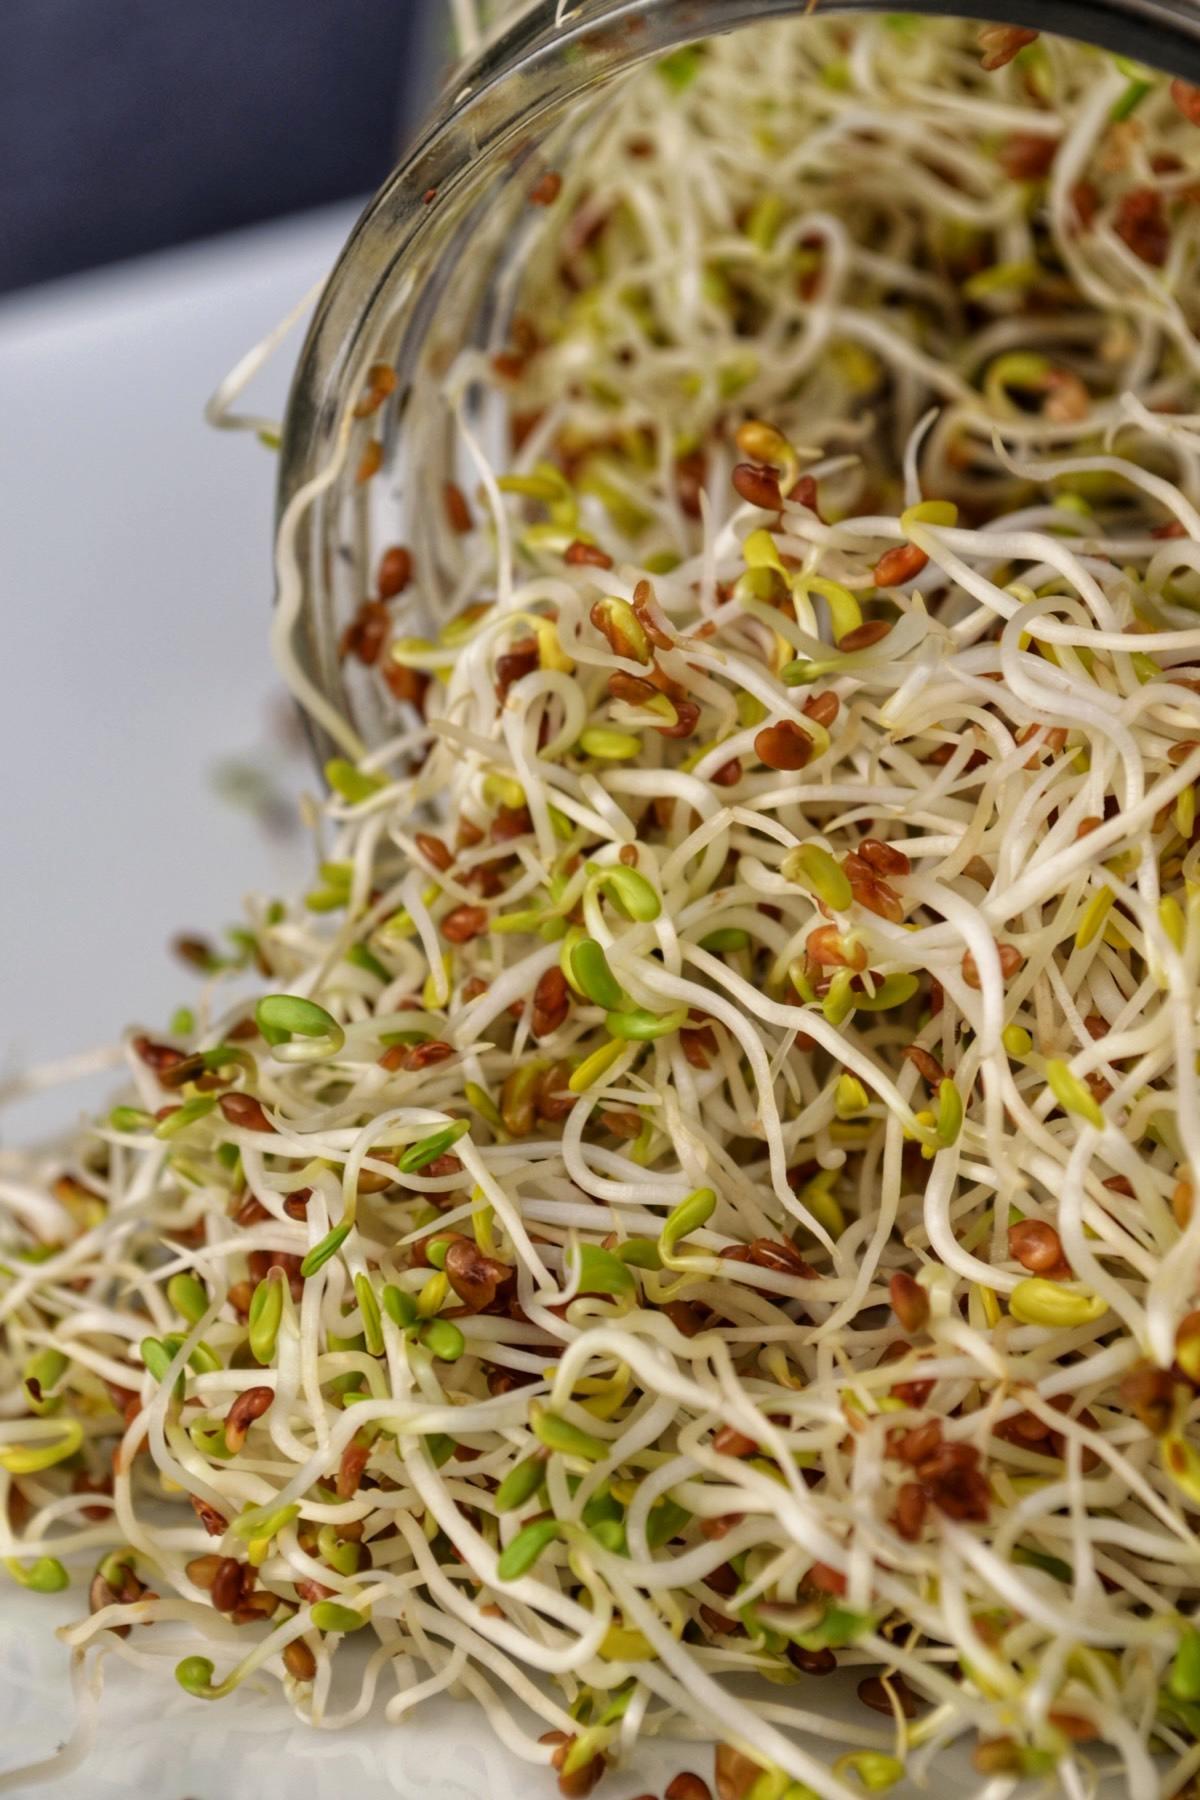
135 574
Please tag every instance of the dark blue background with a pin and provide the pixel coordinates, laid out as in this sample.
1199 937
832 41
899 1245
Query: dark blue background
128 125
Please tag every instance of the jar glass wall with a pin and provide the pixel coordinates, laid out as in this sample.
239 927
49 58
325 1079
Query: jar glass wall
431 270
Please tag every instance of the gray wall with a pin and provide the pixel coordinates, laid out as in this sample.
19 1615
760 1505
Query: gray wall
128 125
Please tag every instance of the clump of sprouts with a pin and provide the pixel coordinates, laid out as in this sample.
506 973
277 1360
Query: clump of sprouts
701 1193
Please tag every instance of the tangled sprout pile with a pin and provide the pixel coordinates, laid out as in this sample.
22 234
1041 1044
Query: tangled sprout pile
702 1194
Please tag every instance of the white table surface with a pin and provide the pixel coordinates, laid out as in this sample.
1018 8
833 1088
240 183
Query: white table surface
135 583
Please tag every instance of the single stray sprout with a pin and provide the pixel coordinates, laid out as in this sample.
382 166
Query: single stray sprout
195 1676
46 1575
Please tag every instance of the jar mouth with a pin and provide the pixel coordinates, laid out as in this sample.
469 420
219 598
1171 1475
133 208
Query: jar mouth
526 91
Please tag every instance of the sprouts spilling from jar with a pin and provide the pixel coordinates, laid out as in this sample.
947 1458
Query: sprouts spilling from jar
702 1188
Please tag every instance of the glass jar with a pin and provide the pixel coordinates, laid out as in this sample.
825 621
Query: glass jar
429 271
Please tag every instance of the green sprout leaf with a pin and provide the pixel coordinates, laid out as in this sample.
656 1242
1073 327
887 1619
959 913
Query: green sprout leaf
329 1246
46 1575
687 1217
284 1019
266 1315
521 1484
519 1557
428 1149
600 1272
593 977
351 784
